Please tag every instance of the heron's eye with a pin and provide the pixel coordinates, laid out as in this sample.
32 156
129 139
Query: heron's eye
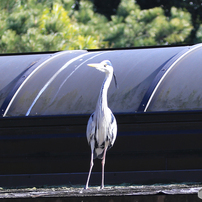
105 65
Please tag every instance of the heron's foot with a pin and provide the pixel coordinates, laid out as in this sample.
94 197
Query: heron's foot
86 187
102 187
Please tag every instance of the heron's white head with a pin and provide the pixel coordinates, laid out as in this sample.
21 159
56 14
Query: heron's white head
104 66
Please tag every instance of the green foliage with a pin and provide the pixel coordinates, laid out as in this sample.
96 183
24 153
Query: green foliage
52 25
134 27
33 26
91 23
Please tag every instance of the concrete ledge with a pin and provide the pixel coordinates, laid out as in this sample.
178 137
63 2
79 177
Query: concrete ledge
172 192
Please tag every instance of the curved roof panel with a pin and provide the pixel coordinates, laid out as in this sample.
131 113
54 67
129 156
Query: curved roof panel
180 89
62 83
12 68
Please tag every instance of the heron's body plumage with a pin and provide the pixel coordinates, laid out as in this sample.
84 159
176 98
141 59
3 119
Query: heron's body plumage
102 131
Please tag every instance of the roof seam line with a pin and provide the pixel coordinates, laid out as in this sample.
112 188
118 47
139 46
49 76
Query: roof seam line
27 78
190 49
54 76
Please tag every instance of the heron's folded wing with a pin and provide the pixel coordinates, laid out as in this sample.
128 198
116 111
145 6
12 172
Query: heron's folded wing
112 130
90 131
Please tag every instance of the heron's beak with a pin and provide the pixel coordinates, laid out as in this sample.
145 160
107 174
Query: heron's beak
96 65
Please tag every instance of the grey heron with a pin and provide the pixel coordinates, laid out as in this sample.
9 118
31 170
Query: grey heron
102 127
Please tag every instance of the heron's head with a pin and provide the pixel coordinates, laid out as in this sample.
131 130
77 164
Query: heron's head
104 66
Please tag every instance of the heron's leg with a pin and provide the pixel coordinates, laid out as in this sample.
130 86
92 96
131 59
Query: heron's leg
103 165
91 166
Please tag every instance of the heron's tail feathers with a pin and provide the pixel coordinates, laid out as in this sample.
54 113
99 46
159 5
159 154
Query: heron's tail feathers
99 152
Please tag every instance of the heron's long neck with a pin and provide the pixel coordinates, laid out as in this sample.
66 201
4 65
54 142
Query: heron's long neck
102 100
